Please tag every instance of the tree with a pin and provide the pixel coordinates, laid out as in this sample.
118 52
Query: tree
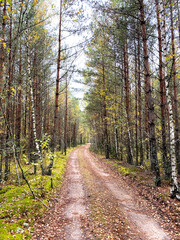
57 79
152 136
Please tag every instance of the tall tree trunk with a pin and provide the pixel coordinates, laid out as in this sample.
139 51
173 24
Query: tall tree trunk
1 170
127 98
152 135
136 105
116 128
65 118
33 105
30 133
60 130
140 103
9 106
18 123
70 127
175 90
178 8
162 94
18 114
25 114
57 82
9 109
2 79
2 57
47 112
116 107
175 189
172 135
106 140
74 135
37 96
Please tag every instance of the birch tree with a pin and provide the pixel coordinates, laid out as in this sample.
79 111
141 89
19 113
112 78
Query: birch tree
174 190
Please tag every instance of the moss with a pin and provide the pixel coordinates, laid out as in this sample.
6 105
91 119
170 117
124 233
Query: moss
131 171
142 178
18 210
164 195
13 231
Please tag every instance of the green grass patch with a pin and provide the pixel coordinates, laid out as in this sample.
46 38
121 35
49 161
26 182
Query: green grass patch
127 171
133 172
18 209
164 195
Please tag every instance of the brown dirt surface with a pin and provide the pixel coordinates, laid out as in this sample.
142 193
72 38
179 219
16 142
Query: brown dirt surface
68 214
162 207
97 203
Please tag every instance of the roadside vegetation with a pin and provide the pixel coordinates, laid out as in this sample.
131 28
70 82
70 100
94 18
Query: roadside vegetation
18 208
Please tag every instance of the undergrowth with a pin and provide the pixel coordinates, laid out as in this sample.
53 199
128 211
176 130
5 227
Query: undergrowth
18 209
140 173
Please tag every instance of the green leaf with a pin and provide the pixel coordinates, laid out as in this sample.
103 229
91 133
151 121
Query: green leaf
10 2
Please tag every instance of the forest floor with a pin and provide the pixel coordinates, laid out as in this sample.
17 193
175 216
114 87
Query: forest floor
97 201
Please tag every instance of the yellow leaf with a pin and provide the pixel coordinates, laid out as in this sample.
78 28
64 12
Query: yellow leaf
22 5
4 44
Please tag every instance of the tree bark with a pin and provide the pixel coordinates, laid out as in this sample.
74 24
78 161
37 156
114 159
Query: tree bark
1 170
33 105
37 96
140 103
57 82
106 140
152 135
8 110
174 190
136 105
2 57
74 135
162 96
65 119
127 99
18 113
175 90
178 8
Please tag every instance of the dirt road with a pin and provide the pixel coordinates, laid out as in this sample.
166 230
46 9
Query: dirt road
97 204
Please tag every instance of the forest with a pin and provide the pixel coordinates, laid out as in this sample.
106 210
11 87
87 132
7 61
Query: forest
74 72
133 78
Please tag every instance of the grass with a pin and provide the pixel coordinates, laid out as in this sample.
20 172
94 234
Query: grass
18 209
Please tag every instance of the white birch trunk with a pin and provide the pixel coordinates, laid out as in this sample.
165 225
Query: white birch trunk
174 188
32 105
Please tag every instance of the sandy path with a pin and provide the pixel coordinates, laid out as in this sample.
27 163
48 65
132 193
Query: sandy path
67 217
76 207
94 203
142 224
